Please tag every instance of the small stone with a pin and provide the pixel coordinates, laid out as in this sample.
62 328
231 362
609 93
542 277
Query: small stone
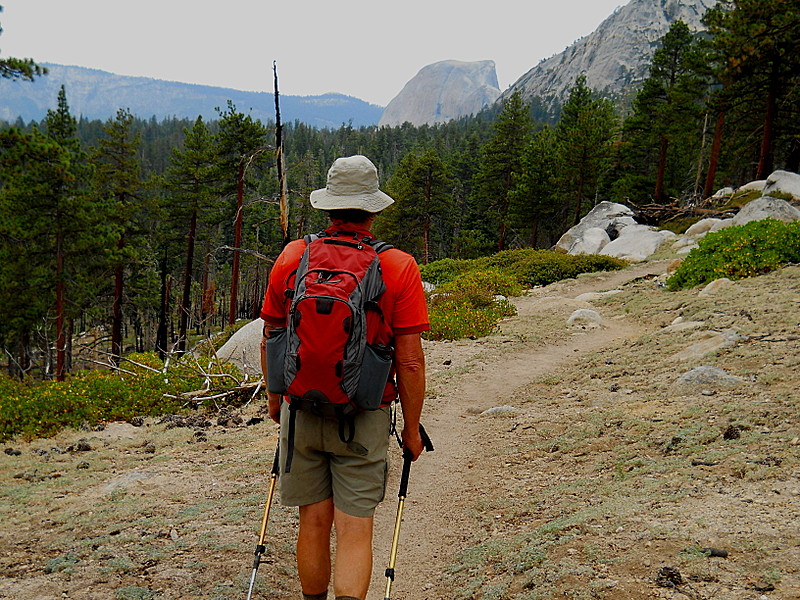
83 465
12 451
83 446
733 432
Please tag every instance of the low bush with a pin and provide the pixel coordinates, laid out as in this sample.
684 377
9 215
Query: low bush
465 303
529 267
739 252
472 305
447 269
41 409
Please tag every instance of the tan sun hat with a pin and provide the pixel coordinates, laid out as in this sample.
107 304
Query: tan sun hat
352 183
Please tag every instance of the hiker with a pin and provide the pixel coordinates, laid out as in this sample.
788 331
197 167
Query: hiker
334 482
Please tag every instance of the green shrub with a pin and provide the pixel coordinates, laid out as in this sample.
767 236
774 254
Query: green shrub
529 267
447 269
468 307
546 267
464 304
738 252
41 409
452 319
480 287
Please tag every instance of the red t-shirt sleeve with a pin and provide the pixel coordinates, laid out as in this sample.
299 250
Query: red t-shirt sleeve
275 307
409 313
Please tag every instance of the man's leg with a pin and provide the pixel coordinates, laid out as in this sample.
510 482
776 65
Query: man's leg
314 547
353 555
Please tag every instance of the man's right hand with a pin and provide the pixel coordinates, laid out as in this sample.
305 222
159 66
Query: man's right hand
274 407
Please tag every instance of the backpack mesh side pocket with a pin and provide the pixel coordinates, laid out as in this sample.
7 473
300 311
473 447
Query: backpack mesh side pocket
375 370
276 358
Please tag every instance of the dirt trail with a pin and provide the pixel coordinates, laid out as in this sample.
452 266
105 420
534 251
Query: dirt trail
446 485
603 475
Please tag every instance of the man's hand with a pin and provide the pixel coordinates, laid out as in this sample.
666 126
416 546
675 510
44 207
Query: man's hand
412 441
274 407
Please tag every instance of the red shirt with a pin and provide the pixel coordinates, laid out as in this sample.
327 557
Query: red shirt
403 304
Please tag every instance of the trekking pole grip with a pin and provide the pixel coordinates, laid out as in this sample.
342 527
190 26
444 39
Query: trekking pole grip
408 458
426 441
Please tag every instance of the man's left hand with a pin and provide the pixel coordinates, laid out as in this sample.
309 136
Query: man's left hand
412 441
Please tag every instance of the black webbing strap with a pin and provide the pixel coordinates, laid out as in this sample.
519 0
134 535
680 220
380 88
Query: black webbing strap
350 422
290 437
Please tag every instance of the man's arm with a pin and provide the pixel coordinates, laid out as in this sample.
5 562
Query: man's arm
274 399
410 368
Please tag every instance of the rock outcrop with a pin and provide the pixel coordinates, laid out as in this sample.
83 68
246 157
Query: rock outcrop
611 229
616 56
443 91
243 349
766 207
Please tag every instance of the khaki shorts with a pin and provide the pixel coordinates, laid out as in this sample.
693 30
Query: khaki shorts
323 466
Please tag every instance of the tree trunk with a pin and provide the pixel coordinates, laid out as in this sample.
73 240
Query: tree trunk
163 311
535 234
116 309
426 229
713 161
69 336
23 362
579 201
501 244
237 242
767 157
658 193
206 307
60 334
186 301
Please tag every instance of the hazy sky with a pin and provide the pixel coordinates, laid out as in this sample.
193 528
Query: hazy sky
364 49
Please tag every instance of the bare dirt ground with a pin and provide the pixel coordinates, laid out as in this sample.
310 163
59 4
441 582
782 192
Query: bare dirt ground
599 479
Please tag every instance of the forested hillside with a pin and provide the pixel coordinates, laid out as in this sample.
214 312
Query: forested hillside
123 235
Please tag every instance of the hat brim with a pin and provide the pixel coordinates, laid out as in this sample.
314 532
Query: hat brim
373 202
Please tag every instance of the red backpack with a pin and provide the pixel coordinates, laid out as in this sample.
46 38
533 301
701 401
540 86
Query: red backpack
322 361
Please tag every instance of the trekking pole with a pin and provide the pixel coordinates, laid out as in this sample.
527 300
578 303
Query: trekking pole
408 458
260 548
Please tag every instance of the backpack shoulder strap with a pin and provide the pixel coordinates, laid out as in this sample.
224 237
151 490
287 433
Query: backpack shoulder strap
310 237
380 246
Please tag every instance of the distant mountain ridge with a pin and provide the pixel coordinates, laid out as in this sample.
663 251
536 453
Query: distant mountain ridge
96 94
615 58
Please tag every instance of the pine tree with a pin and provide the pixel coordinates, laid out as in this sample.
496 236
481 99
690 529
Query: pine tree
755 42
193 180
423 213
534 199
500 163
52 233
79 229
660 137
241 144
586 133
118 178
